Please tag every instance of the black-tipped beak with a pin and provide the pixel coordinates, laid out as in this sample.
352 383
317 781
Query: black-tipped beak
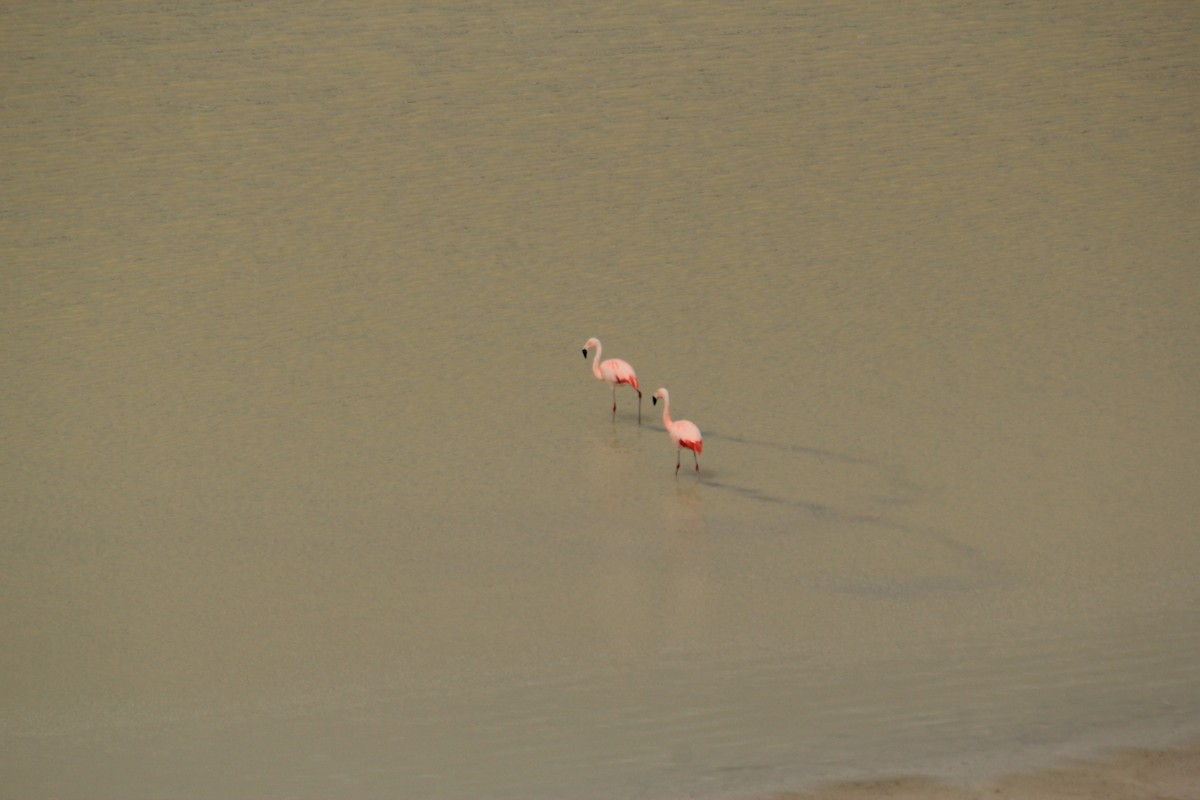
654 400
585 352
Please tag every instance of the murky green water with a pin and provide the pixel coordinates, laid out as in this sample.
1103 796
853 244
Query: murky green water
308 492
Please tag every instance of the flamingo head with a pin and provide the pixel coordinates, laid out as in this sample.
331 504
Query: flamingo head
593 342
660 393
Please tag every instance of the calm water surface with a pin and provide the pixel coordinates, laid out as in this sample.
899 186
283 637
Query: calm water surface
307 490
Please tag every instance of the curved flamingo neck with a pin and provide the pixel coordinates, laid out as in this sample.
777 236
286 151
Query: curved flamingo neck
596 362
666 398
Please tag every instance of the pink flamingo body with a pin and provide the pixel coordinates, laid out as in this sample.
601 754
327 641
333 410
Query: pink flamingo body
614 372
683 433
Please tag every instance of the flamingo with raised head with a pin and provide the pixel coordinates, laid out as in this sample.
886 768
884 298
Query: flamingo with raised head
613 371
683 433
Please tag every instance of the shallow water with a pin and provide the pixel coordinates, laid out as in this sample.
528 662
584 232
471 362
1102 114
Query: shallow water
309 492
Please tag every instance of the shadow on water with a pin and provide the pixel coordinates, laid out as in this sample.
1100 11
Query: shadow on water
901 490
976 569
816 452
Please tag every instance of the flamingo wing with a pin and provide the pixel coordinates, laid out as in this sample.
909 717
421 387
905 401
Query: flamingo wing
616 371
686 434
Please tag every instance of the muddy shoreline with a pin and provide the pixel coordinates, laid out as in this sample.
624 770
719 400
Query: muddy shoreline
1129 774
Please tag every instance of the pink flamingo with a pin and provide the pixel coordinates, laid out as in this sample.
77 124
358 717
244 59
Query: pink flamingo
682 432
613 371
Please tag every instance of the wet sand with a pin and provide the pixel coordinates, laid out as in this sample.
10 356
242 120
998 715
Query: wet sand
1125 775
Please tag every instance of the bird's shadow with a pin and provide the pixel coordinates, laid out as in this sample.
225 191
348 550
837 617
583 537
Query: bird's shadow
901 489
978 569
815 452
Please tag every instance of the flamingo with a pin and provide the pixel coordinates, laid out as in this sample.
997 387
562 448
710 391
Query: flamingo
613 371
683 433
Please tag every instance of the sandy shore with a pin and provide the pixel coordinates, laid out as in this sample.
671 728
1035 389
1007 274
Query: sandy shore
1128 775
